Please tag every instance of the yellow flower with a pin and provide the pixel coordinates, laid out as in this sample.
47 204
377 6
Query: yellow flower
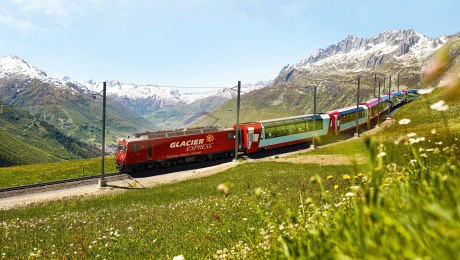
346 176
329 177
360 174
336 187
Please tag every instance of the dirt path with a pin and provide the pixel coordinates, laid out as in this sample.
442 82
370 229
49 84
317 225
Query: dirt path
113 187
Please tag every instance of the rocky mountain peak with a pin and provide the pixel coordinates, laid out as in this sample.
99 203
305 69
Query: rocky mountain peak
13 66
402 39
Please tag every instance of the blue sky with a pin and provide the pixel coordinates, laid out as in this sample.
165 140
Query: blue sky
198 43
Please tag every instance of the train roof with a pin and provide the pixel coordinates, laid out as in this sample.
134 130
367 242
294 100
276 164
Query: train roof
350 109
177 132
318 115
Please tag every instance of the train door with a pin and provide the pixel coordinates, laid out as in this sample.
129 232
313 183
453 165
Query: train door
337 124
149 151
250 137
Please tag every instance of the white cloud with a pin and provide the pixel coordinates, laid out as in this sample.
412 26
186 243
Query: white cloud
56 8
9 20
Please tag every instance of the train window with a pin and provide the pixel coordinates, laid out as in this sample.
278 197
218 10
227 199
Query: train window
134 148
121 148
281 130
231 135
318 124
270 132
300 127
291 129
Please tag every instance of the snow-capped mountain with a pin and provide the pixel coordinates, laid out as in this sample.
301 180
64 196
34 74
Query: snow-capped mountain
143 99
354 54
13 66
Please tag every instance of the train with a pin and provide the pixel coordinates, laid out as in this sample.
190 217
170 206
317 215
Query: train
149 150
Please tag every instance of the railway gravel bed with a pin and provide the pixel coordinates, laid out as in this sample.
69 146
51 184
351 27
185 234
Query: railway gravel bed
52 186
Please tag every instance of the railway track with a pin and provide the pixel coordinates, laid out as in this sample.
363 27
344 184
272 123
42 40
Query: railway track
58 184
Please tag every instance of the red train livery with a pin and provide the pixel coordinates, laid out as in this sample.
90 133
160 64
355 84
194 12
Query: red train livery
200 144
168 147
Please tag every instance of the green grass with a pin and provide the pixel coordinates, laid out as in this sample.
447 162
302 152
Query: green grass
30 174
404 204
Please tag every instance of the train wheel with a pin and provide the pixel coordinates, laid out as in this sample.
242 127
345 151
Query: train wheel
201 158
167 163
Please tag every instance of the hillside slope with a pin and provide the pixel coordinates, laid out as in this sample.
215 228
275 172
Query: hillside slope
25 139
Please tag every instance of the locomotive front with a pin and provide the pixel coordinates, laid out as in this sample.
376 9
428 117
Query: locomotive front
120 155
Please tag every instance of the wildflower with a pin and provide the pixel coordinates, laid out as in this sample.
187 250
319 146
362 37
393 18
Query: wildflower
424 91
411 134
424 155
336 187
258 192
346 176
223 188
440 106
329 177
404 121
413 161
354 187
433 131
360 174
130 228
381 154
281 227
178 257
438 143
349 194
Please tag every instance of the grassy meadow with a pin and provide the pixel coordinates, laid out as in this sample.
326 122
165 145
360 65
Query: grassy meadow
31 174
403 203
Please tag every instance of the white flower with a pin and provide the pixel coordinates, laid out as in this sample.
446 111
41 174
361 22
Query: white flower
349 194
404 121
423 155
179 257
424 91
413 161
439 106
354 187
411 134
433 131
438 143
381 154
281 227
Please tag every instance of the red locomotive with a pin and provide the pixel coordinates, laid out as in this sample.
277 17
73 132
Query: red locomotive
200 144
168 147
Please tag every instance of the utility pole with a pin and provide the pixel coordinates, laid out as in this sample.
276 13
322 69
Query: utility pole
375 83
357 111
237 126
398 81
384 84
389 99
312 146
378 108
102 181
